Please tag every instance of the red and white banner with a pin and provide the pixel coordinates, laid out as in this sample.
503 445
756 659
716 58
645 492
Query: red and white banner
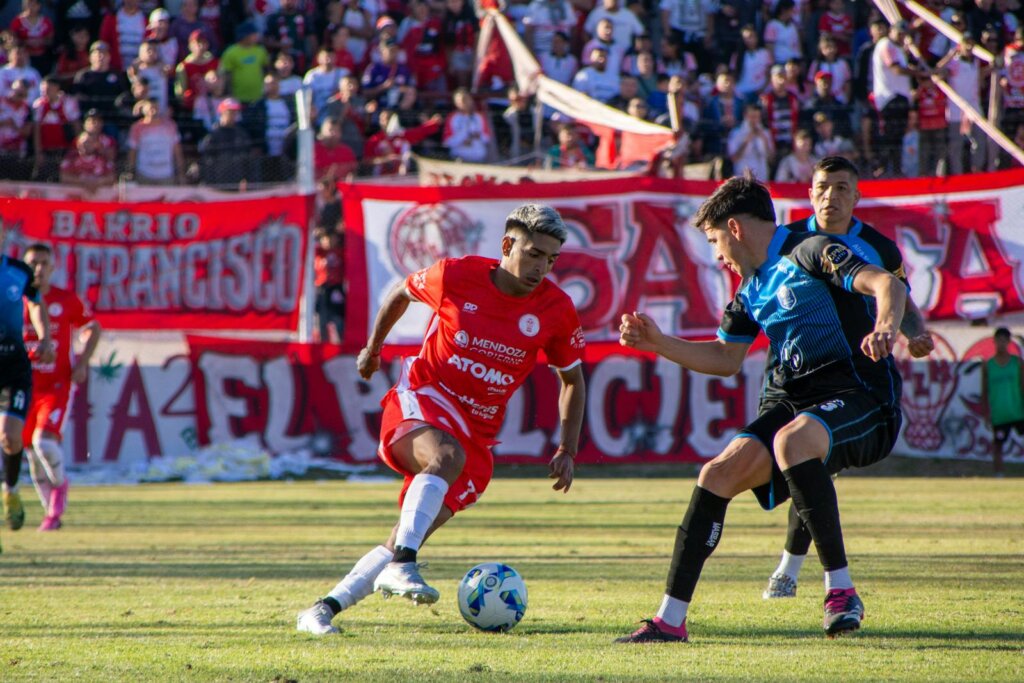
155 266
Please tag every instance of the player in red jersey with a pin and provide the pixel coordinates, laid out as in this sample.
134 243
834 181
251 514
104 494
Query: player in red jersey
491 318
52 382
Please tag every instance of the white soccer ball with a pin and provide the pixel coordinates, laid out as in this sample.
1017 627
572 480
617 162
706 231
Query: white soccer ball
492 596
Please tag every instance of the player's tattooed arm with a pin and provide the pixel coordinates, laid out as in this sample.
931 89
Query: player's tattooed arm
572 401
391 311
919 340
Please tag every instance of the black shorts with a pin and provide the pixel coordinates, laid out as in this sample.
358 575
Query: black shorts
861 431
15 385
1000 433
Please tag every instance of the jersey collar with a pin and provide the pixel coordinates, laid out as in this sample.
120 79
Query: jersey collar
855 227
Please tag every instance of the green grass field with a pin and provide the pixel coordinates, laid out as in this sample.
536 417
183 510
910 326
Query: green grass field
175 582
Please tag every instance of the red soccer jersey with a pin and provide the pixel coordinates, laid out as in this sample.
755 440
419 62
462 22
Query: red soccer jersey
931 108
482 344
66 313
36 37
840 26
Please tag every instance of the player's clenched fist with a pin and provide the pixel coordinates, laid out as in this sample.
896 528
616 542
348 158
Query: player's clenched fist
639 332
921 345
878 345
367 363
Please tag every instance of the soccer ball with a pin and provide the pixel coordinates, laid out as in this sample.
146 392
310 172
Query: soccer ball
492 597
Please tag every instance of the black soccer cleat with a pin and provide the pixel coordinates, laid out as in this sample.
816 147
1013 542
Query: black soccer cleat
843 612
651 633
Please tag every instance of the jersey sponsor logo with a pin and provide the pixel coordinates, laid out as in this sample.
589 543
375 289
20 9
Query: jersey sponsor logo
577 339
481 371
499 351
792 355
836 255
469 307
462 339
54 309
834 404
786 297
14 292
529 325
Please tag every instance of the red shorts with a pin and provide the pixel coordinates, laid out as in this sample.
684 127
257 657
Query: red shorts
48 410
405 410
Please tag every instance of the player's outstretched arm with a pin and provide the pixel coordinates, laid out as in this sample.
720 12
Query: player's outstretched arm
89 335
639 331
919 340
391 311
572 401
40 319
891 298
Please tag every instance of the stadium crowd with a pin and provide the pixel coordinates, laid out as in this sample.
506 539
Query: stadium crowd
202 90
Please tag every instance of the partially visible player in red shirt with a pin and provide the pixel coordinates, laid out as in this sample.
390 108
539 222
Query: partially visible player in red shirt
491 318
52 383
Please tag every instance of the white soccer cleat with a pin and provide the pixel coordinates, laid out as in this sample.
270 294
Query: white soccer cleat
779 586
403 579
316 620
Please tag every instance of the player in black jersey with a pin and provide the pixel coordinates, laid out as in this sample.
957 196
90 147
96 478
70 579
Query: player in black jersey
16 372
835 391
834 195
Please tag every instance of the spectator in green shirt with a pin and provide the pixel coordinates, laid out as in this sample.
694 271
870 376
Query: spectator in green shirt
244 64
1002 389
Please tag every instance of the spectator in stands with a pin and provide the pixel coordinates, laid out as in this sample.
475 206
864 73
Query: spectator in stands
625 24
829 142
910 150
124 31
420 37
730 17
128 105
284 70
795 83
825 101
750 145
781 110
93 126
85 165
671 62
629 87
518 120
647 74
329 278
750 63
389 83
18 69
208 98
570 152
158 32
1012 84
930 104
344 60
597 80
225 153
641 43
36 33
72 56
348 109
186 23
545 18
333 158
838 23
798 165
288 31
244 64
671 161
467 134
964 74
686 108
603 38
158 74
459 28
57 120
690 24
329 213
389 150
782 34
387 32
638 108
722 113
828 61
322 80
274 116
15 130
559 64
99 86
191 73
68 14
891 73
983 14
154 148
360 26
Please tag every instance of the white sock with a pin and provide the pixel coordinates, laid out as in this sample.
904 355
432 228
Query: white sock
358 583
673 611
840 578
423 501
40 478
52 457
790 564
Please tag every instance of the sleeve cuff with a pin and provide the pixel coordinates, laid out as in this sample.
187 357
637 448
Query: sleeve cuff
734 338
570 366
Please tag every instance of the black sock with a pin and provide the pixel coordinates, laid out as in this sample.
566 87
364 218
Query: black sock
798 538
403 554
12 469
332 603
814 496
696 539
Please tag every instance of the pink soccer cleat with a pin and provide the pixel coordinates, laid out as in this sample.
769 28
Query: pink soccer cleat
58 500
50 523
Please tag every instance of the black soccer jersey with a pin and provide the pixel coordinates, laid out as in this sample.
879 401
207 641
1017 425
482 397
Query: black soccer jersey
799 298
866 242
15 282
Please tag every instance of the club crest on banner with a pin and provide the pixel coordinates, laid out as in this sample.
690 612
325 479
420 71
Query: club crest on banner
426 233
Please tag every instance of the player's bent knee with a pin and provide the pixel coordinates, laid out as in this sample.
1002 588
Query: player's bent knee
743 464
801 440
442 455
11 443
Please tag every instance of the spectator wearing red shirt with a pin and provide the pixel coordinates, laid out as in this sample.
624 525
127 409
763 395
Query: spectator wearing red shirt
344 60
35 32
459 29
333 158
930 103
781 110
92 123
388 150
55 113
838 23
86 165
191 72
15 131
419 34
329 278
73 56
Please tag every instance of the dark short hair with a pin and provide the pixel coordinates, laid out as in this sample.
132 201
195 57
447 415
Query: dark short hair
738 196
537 219
1001 332
41 247
836 164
